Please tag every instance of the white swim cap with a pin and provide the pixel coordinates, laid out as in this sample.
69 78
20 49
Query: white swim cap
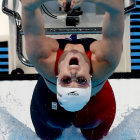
73 99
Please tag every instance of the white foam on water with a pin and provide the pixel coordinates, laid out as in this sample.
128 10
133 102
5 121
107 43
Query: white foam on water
15 121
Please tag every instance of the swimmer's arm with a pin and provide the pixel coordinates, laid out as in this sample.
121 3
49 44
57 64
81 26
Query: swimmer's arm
106 53
110 47
38 46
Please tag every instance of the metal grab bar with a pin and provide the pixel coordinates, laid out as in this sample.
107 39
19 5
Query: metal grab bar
18 22
130 8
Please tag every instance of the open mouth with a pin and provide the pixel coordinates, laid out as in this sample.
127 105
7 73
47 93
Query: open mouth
73 61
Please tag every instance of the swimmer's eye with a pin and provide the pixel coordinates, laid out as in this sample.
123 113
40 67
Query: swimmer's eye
66 80
81 80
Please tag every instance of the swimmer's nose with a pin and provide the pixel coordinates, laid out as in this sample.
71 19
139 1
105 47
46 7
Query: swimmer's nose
74 71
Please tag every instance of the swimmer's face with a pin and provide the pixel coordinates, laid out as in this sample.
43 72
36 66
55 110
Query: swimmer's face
74 63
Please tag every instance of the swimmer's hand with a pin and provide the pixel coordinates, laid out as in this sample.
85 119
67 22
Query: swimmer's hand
63 4
74 3
32 4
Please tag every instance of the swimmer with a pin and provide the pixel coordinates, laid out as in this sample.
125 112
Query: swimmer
73 87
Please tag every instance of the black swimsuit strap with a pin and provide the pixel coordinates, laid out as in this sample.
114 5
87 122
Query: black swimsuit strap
84 41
